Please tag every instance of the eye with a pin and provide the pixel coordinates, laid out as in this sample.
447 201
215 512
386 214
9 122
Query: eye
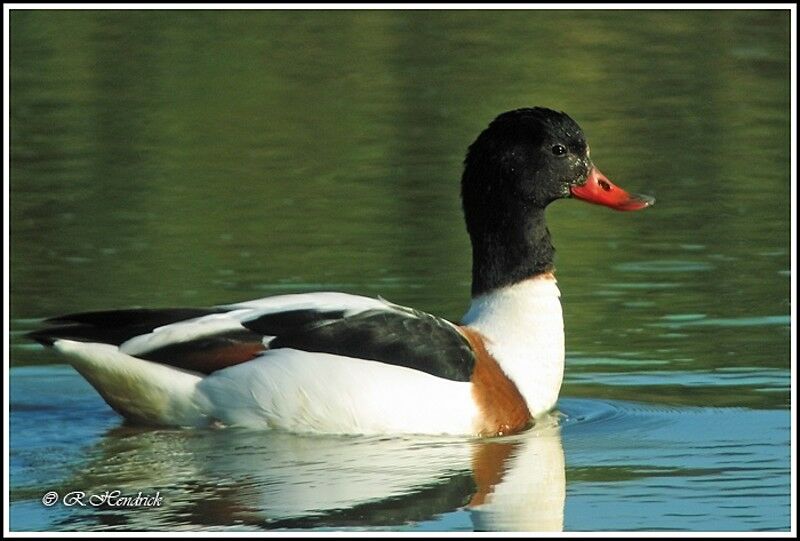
558 150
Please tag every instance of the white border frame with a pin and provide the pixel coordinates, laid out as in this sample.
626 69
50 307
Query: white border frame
433 6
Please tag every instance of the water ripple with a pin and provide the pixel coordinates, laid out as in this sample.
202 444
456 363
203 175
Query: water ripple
664 266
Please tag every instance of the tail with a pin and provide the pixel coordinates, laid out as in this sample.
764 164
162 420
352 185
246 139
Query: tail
142 391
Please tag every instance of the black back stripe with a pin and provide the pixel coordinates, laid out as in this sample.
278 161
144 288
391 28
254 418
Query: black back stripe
115 326
277 323
402 338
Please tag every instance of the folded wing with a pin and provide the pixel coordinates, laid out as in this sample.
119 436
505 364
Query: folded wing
207 340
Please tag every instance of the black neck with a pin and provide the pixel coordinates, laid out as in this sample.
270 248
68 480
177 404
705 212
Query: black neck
509 248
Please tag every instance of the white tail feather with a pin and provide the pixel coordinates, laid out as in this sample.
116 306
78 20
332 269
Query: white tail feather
140 390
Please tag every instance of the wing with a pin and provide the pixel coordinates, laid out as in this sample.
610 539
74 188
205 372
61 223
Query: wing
207 340
389 334
114 326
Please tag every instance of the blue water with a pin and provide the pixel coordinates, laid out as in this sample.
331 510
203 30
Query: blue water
593 464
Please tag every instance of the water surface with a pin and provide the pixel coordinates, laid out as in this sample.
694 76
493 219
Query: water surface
192 158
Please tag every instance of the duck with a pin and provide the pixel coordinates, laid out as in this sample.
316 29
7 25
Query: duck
339 363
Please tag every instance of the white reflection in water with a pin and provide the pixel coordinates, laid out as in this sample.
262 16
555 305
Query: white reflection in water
248 479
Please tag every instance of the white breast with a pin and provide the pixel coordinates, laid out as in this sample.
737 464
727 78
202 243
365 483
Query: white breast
524 327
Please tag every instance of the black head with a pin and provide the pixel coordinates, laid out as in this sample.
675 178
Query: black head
522 162
527 156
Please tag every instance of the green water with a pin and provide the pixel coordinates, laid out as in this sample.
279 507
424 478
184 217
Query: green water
193 158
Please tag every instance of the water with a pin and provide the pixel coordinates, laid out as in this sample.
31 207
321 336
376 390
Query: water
200 158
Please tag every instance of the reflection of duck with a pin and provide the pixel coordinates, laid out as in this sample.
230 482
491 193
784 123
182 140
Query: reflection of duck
531 492
291 481
331 362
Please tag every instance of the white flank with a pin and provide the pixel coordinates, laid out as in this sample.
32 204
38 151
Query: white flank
318 392
286 389
524 327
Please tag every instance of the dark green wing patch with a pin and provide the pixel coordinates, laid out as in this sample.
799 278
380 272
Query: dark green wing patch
397 336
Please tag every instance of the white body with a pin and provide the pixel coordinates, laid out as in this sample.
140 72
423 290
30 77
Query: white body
318 392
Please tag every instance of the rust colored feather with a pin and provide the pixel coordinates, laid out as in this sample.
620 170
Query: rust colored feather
503 410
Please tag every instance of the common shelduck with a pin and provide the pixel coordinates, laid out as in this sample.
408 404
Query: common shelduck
341 363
